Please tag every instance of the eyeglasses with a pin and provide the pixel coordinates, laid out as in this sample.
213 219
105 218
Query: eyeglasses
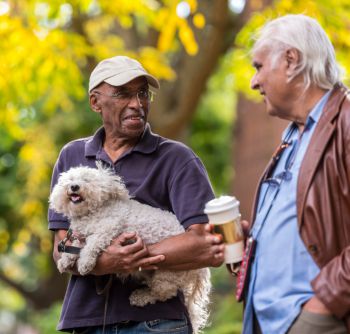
143 95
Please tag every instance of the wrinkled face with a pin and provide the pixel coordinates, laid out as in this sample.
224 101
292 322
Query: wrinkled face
122 117
270 80
82 190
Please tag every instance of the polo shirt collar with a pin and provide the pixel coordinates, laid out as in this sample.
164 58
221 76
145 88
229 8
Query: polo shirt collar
94 144
147 144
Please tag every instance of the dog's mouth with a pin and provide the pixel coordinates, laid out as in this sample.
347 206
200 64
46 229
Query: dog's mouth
75 198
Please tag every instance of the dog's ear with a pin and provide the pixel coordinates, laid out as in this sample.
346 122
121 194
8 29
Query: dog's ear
56 202
119 187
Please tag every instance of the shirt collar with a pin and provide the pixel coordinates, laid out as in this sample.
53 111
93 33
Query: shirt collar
94 144
312 118
316 111
148 142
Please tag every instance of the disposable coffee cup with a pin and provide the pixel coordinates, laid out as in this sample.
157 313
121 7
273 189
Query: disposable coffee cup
223 213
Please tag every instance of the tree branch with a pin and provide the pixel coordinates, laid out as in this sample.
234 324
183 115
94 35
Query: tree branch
179 103
178 100
49 290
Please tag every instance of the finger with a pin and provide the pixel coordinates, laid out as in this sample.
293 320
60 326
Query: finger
217 249
214 239
123 237
245 227
136 247
219 255
138 255
209 228
150 262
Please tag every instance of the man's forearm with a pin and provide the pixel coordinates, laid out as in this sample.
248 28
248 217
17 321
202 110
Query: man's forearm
195 248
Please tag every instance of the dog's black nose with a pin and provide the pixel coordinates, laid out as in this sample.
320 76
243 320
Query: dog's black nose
74 187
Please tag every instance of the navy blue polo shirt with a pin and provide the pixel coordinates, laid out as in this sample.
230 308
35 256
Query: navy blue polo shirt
157 171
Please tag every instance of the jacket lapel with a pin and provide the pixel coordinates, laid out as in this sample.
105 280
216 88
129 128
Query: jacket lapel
323 132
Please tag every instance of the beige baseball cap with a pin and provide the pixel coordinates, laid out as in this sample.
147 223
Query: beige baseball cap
118 71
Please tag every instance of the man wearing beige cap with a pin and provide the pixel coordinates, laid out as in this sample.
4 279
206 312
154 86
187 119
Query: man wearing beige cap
157 171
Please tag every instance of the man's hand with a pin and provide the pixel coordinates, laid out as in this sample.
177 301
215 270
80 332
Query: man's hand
314 305
213 244
245 228
217 239
126 254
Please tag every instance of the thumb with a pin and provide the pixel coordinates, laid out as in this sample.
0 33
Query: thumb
209 228
245 227
125 238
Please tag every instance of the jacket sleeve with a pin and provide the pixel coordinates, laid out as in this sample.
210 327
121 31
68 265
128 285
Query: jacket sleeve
332 285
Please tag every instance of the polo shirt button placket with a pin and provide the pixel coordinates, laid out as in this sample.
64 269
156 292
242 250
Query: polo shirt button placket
117 168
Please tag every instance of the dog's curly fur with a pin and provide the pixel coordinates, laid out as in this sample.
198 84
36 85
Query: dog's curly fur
99 207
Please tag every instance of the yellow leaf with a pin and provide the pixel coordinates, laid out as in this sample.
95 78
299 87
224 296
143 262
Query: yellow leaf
193 5
199 20
187 38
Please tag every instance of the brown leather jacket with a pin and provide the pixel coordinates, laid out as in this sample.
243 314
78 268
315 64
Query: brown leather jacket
323 203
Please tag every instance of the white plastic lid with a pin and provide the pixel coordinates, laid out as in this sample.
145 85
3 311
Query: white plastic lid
222 203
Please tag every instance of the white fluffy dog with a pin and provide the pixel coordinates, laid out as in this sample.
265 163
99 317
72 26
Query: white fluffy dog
99 207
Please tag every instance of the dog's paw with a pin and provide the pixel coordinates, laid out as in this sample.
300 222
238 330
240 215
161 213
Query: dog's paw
63 265
84 268
141 297
60 267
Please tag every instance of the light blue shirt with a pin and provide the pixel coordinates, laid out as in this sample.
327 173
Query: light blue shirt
282 268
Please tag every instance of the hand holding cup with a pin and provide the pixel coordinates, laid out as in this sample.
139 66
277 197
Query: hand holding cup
223 214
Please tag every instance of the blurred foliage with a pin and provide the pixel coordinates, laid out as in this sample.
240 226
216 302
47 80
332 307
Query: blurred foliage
46 321
48 49
332 15
229 319
212 127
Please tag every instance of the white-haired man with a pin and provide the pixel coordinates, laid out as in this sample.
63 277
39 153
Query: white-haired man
157 171
299 278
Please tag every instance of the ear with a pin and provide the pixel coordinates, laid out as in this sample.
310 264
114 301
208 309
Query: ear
292 57
119 188
94 102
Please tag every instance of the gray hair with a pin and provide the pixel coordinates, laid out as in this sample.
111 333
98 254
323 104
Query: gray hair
317 64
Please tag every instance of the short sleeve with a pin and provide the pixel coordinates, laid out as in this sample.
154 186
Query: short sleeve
190 189
57 221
